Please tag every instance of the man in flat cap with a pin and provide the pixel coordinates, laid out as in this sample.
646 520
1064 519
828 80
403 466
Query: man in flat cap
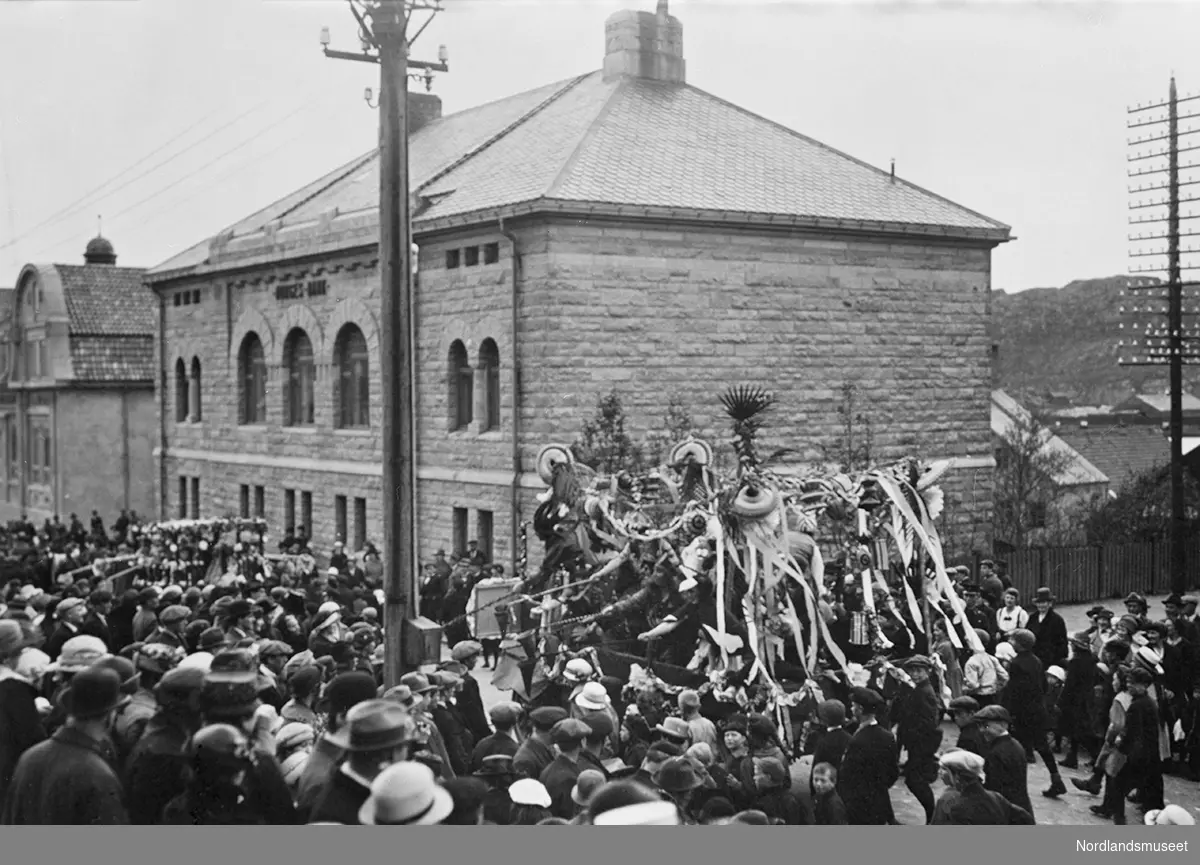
962 712
505 740
146 618
871 764
171 623
469 700
919 733
1006 767
535 753
560 776
966 802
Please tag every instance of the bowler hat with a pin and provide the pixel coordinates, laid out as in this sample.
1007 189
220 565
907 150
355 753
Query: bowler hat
212 639
124 669
993 713
1096 611
1043 596
346 690
374 725
496 766
94 692
588 782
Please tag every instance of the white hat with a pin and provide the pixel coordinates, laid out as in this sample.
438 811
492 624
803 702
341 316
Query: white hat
529 792
333 572
962 761
593 696
197 660
406 794
1005 652
1057 672
1171 815
1149 658
641 814
577 670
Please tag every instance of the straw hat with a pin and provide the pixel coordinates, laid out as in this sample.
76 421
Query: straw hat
406 794
593 696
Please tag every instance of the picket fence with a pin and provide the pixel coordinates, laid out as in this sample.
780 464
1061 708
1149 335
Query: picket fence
1080 574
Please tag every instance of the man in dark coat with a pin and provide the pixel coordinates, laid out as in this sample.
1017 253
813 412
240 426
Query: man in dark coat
70 614
919 734
1139 745
67 780
979 614
1023 697
870 766
96 623
1077 701
560 776
962 712
829 743
20 725
377 734
1006 770
469 700
967 802
504 741
534 754
1049 630
156 770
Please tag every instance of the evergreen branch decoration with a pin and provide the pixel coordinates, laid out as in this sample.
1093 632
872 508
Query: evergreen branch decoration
746 406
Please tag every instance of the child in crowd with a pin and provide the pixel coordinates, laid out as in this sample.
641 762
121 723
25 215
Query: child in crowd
828 808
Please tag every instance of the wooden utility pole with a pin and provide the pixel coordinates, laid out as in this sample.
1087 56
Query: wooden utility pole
384 26
1173 345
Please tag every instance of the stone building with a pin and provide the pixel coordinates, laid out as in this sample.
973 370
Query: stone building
79 423
618 229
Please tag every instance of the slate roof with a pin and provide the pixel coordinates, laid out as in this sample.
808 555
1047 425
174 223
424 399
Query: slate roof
113 358
626 141
1120 451
1151 404
1077 471
103 300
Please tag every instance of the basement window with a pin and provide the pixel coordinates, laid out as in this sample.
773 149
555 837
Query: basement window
471 256
452 259
491 253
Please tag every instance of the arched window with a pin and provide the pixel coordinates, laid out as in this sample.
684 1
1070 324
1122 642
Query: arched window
252 373
489 370
462 380
182 403
195 389
301 373
353 397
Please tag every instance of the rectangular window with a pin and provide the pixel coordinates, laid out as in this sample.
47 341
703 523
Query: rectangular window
183 498
483 532
471 256
459 528
244 502
195 498
339 518
452 259
1037 515
289 510
491 253
43 359
260 502
360 524
195 295
306 512
178 299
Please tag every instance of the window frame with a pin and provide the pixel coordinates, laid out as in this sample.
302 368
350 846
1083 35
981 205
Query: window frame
462 387
300 369
352 362
252 381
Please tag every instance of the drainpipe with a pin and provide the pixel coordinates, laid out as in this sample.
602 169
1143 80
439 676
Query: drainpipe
162 407
515 491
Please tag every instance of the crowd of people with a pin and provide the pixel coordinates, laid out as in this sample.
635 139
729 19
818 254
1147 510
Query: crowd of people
226 686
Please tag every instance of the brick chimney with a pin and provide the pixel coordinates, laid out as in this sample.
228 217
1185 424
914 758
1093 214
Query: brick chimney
644 45
422 108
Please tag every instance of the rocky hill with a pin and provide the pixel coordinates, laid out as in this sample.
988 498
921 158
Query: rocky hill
1065 340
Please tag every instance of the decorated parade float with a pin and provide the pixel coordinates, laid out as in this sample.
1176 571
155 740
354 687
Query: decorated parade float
757 586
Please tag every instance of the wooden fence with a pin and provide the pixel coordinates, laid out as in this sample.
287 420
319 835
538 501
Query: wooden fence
1080 574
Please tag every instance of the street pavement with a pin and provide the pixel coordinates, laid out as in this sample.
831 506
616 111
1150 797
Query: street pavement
1070 809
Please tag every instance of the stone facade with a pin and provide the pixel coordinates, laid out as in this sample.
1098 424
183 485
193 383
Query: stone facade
653 310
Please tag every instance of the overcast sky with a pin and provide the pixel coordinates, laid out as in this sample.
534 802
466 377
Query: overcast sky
190 114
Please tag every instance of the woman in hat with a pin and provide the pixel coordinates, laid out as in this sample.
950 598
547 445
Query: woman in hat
219 762
20 723
1101 630
1049 631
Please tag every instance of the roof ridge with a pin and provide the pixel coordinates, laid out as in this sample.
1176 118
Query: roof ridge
570 84
845 155
353 167
588 134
